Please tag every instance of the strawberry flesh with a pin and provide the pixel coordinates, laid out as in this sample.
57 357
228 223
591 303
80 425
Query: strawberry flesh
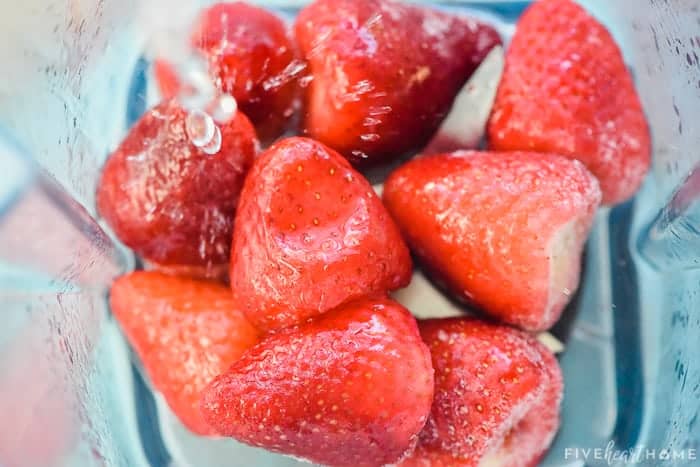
350 388
503 231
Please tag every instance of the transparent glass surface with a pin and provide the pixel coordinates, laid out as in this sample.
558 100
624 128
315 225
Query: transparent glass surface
71 394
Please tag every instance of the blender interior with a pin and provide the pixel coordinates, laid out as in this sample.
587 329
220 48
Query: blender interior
631 334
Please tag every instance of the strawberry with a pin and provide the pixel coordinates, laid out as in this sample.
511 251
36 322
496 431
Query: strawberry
350 388
250 56
185 331
168 200
504 231
566 90
384 73
310 234
497 396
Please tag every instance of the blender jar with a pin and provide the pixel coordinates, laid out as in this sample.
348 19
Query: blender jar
74 78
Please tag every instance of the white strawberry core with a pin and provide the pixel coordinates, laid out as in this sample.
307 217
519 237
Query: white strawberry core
564 258
494 459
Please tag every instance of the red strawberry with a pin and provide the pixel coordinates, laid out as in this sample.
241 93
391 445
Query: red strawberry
310 234
351 388
384 73
497 397
185 331
169 201
566 90
504 231
251 57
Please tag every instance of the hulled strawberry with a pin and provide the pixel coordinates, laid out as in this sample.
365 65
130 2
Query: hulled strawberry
310 234
251 56
497 397
566 90
169 200
185 331
504 231
384 73
351 388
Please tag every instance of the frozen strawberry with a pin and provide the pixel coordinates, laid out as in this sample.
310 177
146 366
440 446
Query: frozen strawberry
170 201
497 396
504 231
310 235
250 56
350 388
185 331
384 73
566 90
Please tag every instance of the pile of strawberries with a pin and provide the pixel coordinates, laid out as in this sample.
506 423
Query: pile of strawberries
264 314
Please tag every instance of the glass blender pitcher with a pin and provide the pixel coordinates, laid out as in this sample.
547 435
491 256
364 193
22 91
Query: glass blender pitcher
75 77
